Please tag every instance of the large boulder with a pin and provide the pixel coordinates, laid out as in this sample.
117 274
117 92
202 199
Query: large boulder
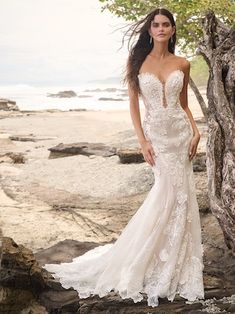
26 287
82 148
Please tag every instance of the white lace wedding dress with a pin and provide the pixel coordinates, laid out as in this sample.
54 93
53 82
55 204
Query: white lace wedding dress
159 252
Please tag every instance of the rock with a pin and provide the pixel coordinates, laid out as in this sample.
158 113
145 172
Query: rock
111 89
8 105
34 308
82 148
15 158
20 276
63 94
28 288
64 301
130 155
93 90
78 109
114 304
219 275
218 282
110 99
53 110
29 138
199 162
18 264
202 191
59 252
23 138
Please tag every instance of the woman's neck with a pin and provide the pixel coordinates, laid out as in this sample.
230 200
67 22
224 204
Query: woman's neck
160 51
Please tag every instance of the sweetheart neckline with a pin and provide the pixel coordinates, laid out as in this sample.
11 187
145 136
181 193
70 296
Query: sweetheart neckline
157 78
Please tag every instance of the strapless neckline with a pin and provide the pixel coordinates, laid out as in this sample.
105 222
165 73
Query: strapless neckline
157 78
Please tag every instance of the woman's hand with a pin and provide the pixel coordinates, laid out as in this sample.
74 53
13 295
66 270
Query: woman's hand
148 152
193 146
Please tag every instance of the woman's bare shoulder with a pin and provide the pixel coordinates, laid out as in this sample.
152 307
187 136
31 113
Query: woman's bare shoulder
183 63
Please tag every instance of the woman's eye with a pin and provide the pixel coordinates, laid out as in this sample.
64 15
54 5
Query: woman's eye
154 24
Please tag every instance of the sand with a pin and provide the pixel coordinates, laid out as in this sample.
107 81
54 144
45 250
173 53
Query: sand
30 191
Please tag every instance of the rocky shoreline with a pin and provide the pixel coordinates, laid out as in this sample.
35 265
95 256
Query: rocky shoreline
29 288
83 196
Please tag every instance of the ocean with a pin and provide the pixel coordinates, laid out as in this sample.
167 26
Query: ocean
92 96
95 96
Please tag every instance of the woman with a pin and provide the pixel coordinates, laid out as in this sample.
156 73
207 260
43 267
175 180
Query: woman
159 252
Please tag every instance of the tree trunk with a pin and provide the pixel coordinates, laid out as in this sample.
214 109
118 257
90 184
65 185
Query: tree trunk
199 97
218 49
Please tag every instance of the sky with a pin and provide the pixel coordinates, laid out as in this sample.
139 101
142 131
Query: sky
58 42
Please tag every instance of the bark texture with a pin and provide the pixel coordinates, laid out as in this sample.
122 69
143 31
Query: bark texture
218 49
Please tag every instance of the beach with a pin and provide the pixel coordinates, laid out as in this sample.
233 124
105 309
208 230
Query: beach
59 206
33 192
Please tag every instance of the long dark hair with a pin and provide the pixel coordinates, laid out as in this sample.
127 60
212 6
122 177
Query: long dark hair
142 47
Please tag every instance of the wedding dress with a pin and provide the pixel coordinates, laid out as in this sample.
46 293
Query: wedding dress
159 253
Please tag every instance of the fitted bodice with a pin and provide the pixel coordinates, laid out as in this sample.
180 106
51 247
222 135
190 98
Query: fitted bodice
165 122
157 95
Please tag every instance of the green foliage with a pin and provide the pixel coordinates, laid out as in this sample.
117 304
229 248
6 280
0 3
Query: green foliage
199 71
188 14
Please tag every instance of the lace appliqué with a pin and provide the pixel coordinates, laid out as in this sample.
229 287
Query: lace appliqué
159 252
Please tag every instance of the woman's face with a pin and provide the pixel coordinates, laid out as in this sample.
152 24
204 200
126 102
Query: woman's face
161 29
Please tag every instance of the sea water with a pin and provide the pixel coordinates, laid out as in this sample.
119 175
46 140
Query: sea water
90 96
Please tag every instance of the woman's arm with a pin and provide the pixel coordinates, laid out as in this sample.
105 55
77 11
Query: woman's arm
146 146
135 114
184 104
